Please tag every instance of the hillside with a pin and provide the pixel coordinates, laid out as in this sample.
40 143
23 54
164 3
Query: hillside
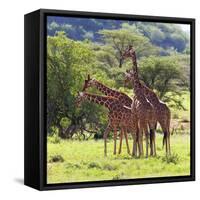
163 35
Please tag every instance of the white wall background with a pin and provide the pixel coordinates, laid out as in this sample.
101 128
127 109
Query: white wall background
11 98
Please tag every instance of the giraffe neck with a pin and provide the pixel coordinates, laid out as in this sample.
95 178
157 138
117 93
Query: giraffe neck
151 96
106 90
137 86
147 92
134 61
101 100
122 97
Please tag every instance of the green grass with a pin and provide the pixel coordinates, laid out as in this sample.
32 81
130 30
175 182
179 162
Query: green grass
77 161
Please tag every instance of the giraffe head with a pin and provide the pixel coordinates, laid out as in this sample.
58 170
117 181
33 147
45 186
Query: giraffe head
128 76
88 83
129 52
80 98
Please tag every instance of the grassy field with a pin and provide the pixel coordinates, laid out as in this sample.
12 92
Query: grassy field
77 161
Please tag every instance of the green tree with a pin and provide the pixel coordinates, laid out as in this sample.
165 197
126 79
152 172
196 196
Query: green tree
166 76
119 39
68 63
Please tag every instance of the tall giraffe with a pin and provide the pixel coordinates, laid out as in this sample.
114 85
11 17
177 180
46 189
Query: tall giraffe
124 100
119 117
162 112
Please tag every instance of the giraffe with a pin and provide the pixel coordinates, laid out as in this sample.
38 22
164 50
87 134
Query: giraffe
146 118
124 100
119 117
162 112
122 97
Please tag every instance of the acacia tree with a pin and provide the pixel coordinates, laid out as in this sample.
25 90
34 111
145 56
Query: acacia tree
119 39
166 76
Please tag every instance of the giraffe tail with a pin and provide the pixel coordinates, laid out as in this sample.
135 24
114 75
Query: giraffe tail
156 126
168 127
163 142
164 139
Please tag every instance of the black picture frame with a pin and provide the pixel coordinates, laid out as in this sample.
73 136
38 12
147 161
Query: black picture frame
35 99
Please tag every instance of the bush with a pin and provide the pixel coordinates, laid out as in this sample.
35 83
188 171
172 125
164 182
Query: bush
116 177
109 167
73 165
94 165
98 136
54 138
174 158
56 158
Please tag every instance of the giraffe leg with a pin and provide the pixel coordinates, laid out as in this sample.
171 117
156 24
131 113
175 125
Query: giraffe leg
154 142
147 144
140 142
169 148
147 140
151 142
168 151
115 141
166 142
138 145
105 139
127 145
140 138
134 150
135 145
165 137
120 142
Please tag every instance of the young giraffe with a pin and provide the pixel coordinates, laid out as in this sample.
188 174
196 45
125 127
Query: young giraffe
162 112
119 117
123 98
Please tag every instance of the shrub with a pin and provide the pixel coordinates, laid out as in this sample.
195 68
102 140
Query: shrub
98 136
54 138
109 167
73 165
174 158
56 158
94 165
116 177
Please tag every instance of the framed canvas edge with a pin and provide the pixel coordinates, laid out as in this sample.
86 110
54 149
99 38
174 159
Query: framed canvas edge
42 84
